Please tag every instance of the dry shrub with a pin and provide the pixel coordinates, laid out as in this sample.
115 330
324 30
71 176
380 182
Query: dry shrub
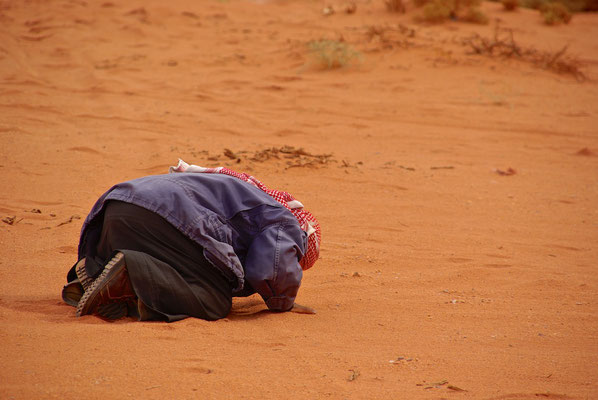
331 54
510 5
503 45
436 11
572 5
291 156
591 5
390 36
475 16
296 157
464 5
561 63
533 4
575 5
395 6
555 13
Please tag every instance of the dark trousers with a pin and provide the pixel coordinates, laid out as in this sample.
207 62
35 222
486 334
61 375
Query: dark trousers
168 271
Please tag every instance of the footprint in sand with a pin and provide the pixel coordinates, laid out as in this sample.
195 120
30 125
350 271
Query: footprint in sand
459 260
67 249
585 152
84 149
498 265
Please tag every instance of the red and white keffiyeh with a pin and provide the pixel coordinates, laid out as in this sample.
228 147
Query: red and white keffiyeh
307 221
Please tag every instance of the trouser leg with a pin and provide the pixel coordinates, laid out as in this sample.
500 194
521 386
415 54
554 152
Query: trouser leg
168 271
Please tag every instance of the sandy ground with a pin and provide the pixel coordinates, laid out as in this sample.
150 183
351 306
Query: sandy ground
439 277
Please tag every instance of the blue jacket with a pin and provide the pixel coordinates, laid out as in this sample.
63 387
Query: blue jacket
244 232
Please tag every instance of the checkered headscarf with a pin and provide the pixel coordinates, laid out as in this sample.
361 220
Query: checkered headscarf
307 221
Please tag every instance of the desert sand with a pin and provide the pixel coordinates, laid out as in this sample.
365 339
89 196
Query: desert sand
457 195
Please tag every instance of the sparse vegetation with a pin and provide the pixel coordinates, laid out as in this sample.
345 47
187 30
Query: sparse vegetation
292 157
577 5
555 13
533 4
330 54
390 36
395 6
503 45
510 5
436 11
419 3
475 16
572 5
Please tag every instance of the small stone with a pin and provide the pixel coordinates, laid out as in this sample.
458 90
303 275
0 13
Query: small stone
10 220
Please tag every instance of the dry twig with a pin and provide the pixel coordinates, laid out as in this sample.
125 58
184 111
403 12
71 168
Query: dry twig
503 45
390 36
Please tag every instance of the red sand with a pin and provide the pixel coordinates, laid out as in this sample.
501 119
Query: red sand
474 284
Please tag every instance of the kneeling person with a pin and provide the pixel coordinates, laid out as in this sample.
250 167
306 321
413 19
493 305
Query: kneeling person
167 247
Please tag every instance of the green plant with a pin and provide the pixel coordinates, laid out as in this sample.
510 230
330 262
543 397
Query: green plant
331 54
555 13
510 5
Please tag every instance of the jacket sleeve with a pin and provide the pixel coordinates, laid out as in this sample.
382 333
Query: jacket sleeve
272 265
